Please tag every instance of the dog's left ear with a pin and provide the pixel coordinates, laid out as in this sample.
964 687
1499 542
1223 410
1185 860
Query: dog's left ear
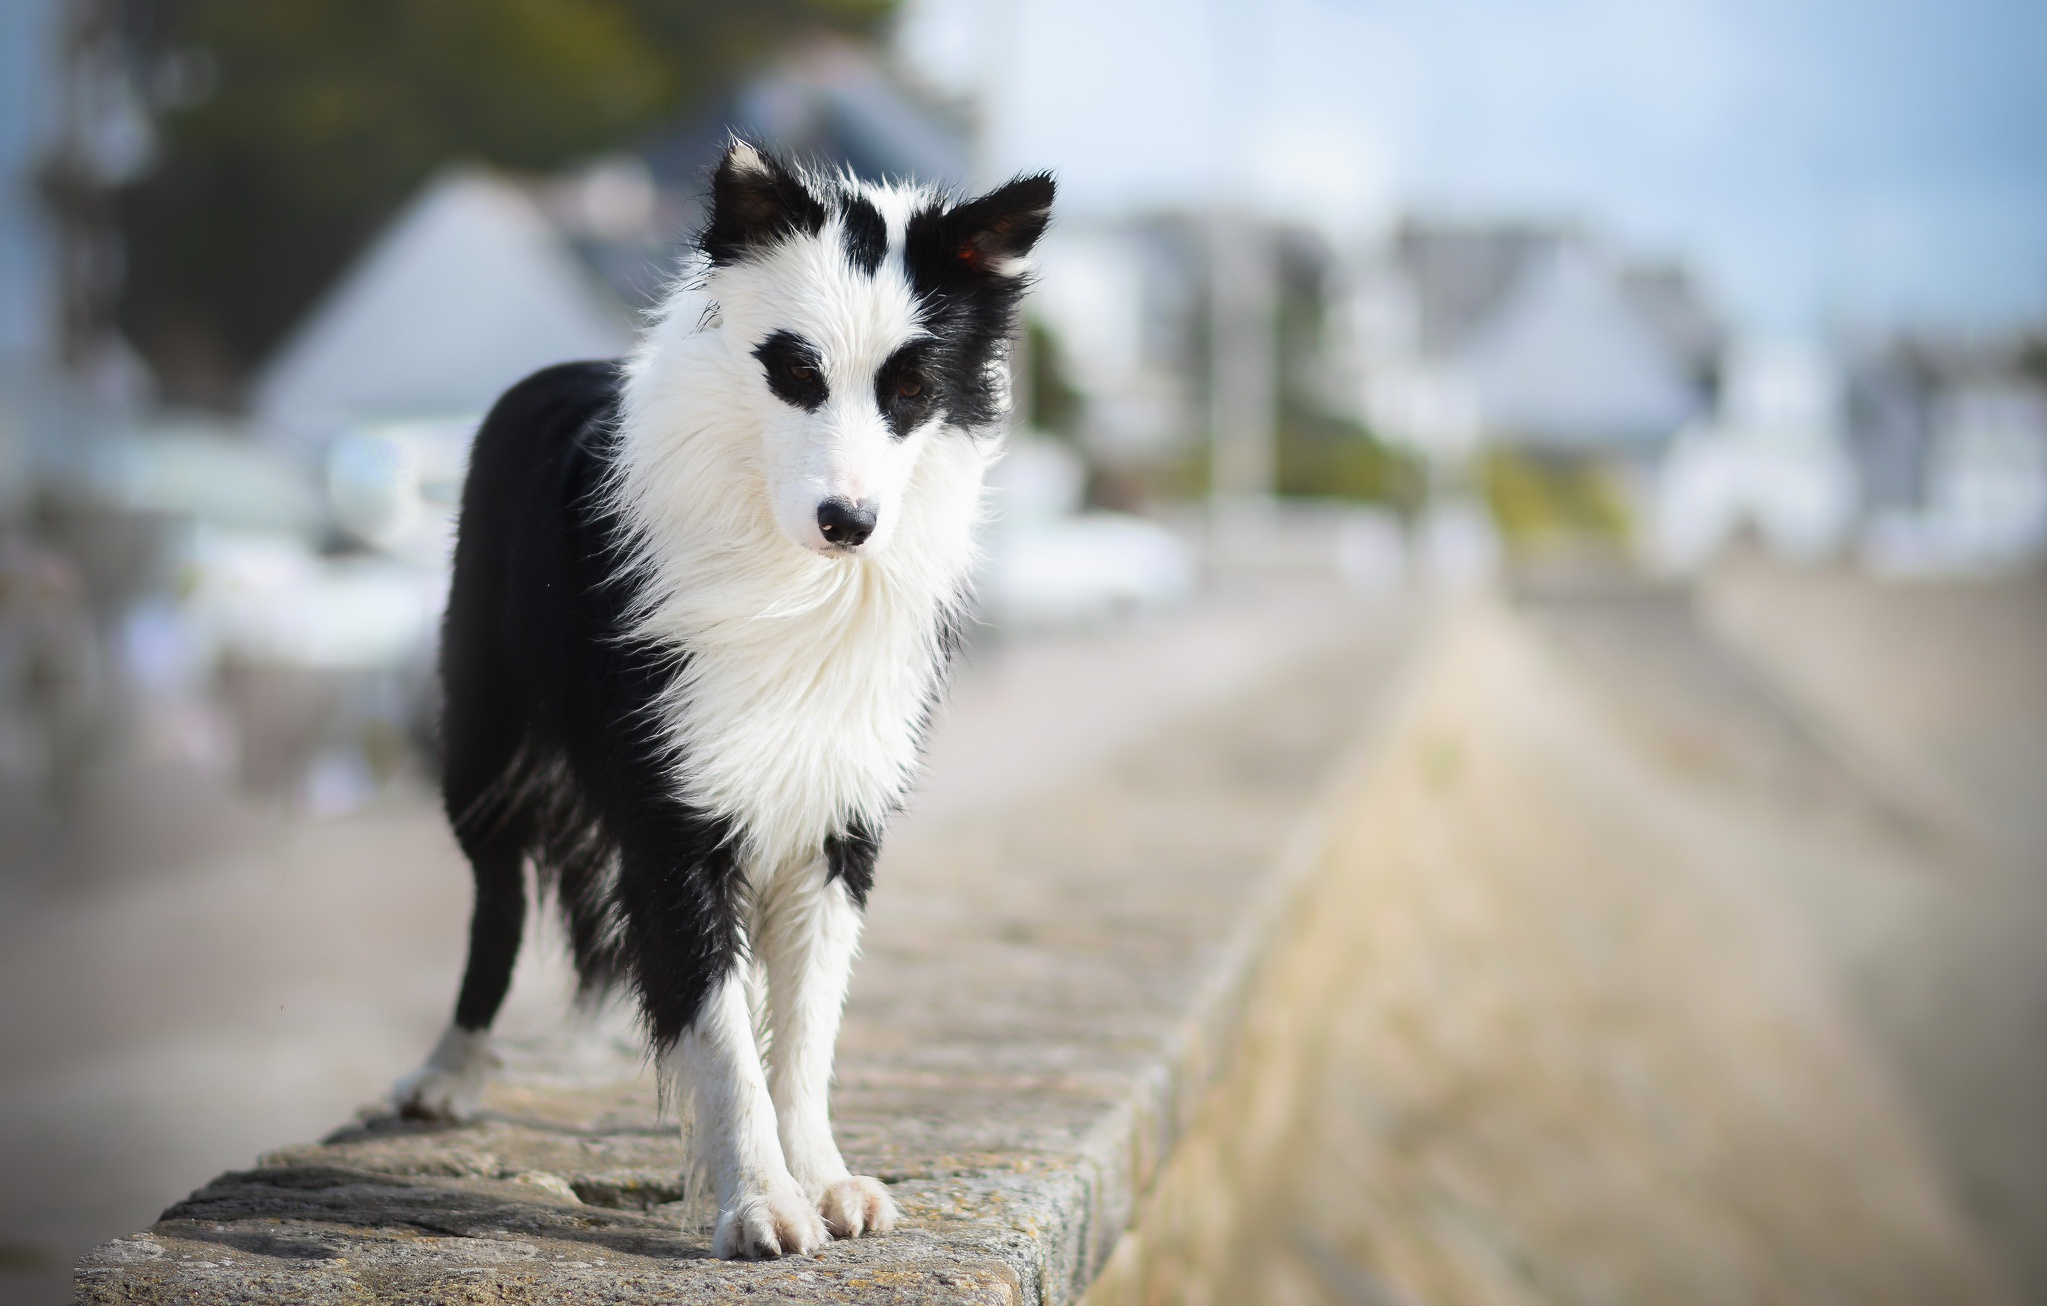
991 234
757 202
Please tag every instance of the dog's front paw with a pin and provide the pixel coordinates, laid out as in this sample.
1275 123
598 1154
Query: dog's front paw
450 1085
430 1093
856 1205
764 1225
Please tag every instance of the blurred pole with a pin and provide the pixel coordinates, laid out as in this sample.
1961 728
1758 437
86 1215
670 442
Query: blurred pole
70 186
104 140
1243 298
1243 381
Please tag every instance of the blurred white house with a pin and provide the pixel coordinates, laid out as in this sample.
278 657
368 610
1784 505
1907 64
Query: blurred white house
1539 337
1951 445
467 290
1771 463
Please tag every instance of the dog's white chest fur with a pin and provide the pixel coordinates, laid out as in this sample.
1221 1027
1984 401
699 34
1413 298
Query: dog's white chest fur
807 678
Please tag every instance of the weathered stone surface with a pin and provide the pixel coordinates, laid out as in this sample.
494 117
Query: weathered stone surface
1045 996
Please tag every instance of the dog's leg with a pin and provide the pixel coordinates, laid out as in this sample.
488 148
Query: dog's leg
808 933
449 1086
482 728
762 1211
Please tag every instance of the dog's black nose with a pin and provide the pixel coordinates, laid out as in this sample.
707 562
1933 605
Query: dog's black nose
844 522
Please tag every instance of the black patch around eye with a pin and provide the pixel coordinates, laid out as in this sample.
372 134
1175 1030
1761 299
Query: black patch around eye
909 368
795 372
864 234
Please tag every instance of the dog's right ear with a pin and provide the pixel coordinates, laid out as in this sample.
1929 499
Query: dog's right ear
757 202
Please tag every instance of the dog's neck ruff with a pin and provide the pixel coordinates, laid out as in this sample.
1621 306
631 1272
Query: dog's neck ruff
804 680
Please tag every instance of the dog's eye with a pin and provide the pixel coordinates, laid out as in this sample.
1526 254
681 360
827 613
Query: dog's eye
909 387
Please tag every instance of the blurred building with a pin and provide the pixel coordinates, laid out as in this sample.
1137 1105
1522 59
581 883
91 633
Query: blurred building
466 291
1950 448
1122 303
830 102
1529 336
1769 464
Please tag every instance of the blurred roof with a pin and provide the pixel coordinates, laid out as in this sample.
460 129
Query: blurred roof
1567 359
1460 274
1562 343
468 290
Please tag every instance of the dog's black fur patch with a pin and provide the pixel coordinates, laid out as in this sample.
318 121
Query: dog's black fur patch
865 235
553 737
905 370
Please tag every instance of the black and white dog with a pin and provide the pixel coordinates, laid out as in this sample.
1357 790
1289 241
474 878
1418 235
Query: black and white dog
703 603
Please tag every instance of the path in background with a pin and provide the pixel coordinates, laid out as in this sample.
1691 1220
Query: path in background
204 982
1942 688
1895 736
1549 1028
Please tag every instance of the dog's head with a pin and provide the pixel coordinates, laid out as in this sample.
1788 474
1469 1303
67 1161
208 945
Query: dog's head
877 321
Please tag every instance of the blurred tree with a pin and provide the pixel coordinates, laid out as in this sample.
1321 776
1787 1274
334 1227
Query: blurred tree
1329 457
2033 357
1321 452
1051 402
298 128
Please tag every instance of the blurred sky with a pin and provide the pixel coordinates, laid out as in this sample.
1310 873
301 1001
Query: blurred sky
1858 163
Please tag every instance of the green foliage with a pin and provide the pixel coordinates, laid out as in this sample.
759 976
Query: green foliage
1327 457
1050 402
1320 453
1542 502
324 115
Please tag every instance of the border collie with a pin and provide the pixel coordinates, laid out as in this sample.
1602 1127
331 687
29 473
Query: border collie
703 603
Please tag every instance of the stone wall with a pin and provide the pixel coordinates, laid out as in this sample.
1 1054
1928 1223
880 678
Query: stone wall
1045 996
